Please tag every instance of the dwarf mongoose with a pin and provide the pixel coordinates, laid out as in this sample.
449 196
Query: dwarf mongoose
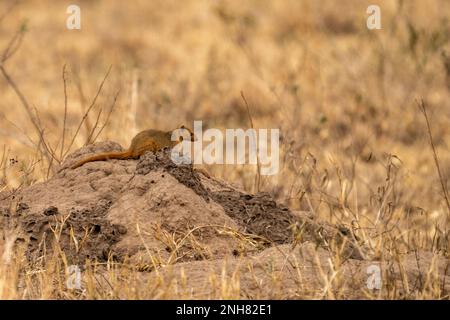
148 140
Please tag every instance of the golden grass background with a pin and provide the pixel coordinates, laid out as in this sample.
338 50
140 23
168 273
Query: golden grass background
354 145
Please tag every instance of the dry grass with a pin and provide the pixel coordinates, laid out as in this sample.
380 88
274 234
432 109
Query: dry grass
355 147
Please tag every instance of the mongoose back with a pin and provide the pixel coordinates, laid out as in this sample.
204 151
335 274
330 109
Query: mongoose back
148 140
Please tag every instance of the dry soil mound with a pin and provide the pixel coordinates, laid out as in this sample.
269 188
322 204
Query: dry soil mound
140 208
158 214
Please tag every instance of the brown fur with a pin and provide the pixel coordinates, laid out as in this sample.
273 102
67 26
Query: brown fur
148 140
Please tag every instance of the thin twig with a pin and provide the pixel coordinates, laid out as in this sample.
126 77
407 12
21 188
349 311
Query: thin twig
108 116
41 131
79 85
423 108
97 120
258 165
88 111
10 50
25 104
21 140
65 111
13 46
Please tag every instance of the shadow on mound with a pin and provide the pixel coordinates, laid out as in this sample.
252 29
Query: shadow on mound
82 234
257 214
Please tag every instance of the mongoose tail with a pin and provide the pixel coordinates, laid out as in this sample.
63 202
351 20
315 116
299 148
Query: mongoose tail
148 140
103 157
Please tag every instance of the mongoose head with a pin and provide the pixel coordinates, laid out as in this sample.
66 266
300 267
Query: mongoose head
183 133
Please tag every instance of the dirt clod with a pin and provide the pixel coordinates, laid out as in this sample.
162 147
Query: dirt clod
258 214
184 173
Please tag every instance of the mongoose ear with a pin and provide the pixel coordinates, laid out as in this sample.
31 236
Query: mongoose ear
193 138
